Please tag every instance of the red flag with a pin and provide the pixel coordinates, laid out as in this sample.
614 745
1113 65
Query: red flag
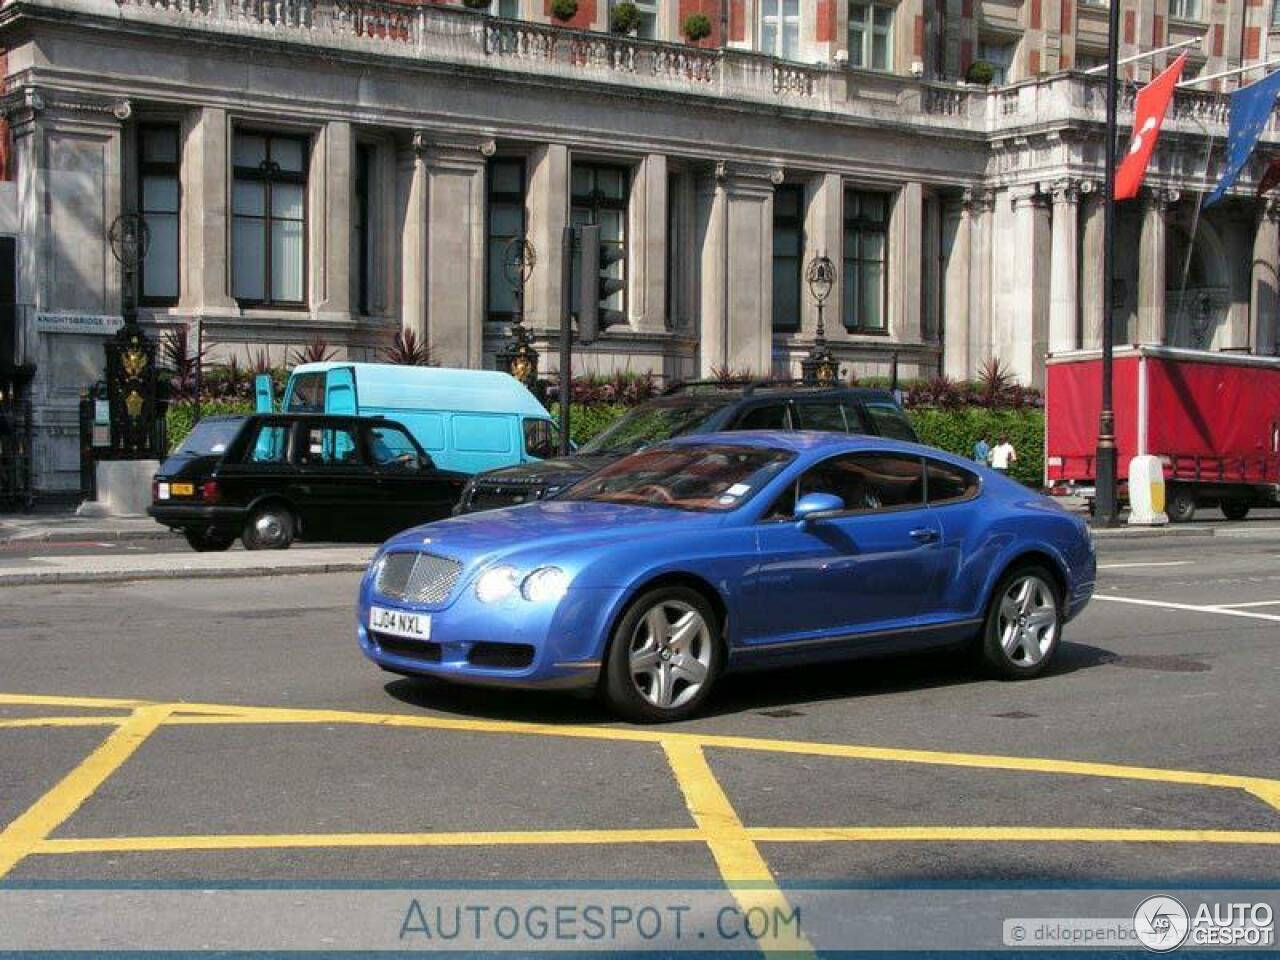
1148 115
1270 178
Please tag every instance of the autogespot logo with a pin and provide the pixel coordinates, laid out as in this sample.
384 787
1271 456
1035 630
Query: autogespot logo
1161 923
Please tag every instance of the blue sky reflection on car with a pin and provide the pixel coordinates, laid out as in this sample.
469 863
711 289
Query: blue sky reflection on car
729 551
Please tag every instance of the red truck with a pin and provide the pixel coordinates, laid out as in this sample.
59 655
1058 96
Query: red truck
1213 419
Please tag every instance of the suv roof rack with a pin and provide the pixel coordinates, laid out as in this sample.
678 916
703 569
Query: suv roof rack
748 387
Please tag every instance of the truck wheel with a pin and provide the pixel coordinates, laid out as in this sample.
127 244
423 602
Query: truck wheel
1235 509
208 541
1182 505
268 528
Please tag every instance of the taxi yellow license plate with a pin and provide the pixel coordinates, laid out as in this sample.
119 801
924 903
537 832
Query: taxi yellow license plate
182 489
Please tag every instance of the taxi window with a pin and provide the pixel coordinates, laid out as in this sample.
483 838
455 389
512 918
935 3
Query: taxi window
394 451
329 446
269 445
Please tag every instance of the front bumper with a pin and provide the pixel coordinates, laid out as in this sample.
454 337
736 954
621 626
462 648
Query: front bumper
556 645
198 516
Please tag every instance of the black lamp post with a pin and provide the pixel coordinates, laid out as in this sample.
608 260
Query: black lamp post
131 354
820 366
517 356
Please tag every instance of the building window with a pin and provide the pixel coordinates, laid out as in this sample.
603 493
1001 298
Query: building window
788 252
269 215
363 227
866 229
509 9
506 223
647 29
1275 15
1184 9
780 28
599 196
160 193
871 35
1000 56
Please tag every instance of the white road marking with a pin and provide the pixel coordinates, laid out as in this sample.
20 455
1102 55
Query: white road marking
1145 563
1253 603
1224 611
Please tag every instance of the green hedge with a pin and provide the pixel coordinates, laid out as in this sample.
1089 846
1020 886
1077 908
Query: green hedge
585 421
957 431
182 417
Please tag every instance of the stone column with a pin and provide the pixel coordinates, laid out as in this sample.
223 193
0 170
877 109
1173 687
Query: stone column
906 266
332 193
1064 270
455 249
1021 320
736 209
548 213
824 235
981 203
1265 282
955 346
1151 265
206 180
647 243
1093 299
411 207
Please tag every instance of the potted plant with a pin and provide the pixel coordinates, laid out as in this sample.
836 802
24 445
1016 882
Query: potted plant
980 72
696 26
624 18
564 10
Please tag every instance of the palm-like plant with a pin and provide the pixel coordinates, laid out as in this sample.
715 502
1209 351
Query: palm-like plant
408 351
316 350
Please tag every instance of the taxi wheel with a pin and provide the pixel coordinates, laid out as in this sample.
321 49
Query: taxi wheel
207 541
1024 624
269 528
664 656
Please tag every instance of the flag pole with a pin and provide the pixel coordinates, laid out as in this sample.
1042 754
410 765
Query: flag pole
1105 512
1193 42
1228 73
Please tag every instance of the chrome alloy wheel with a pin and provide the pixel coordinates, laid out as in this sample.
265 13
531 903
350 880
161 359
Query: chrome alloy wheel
268 528
1028 620
670 654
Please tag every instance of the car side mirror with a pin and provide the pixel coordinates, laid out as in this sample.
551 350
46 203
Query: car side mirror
425 463
817 506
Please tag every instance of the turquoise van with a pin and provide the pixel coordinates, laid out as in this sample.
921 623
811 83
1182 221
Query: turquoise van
467 420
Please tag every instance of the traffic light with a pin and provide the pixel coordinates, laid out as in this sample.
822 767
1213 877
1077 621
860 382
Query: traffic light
595 285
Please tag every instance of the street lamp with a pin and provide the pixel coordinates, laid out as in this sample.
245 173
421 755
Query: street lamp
518 356
820 366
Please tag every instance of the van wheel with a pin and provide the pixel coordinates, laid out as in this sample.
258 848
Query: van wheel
664 656
1235 509
208 541
268 528
1023 626
1182 505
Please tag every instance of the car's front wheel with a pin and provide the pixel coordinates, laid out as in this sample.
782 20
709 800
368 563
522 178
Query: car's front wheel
208 541
664 656
269 527
1023 624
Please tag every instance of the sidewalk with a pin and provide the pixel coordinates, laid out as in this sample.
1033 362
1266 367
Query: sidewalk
187 564
69 528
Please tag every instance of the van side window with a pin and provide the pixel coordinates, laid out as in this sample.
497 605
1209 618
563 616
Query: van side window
307 395
540 439
478 433
269 445
890 421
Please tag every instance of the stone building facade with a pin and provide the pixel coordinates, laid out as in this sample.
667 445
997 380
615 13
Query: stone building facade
346 168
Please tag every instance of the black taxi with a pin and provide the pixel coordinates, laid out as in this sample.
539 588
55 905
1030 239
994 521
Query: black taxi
271 478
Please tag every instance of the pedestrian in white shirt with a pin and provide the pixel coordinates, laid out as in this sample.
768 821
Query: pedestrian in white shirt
1003 454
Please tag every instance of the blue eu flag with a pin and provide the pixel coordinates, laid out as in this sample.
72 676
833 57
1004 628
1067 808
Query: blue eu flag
1250 111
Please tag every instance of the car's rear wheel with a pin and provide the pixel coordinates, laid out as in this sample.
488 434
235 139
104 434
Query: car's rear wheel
1235 509
664 656
208 541
270 527
1023 624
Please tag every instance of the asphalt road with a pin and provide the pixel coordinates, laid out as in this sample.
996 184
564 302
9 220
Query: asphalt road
879 772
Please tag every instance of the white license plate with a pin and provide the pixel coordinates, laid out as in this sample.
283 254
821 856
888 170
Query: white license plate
399 623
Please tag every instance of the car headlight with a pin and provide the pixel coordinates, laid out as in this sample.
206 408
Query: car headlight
544 584
497 584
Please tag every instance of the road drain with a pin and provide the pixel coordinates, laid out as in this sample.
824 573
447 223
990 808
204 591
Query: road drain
1015 715
1165 664
781 714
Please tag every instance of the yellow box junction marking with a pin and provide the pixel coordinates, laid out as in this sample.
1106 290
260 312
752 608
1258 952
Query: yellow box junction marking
733 846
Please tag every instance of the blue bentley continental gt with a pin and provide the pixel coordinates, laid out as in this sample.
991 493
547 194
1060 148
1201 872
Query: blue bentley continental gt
653 576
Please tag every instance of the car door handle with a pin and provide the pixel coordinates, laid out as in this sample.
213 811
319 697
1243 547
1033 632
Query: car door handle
925 535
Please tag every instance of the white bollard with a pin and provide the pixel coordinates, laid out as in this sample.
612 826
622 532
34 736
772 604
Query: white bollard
1146 492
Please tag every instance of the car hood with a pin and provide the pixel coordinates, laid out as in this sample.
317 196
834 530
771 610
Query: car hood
545 527
186 467
554 472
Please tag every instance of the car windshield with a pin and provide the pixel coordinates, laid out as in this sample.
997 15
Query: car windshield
701 478
209 438
653 423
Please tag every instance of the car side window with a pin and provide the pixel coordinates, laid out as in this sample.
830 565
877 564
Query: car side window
890 421
829 415
269 445
946 484
394 451
769 416
329 447
864 481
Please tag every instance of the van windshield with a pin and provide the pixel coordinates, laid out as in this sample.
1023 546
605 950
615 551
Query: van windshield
209 437
307 394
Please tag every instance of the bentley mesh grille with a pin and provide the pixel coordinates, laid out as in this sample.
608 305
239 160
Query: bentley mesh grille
417 577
